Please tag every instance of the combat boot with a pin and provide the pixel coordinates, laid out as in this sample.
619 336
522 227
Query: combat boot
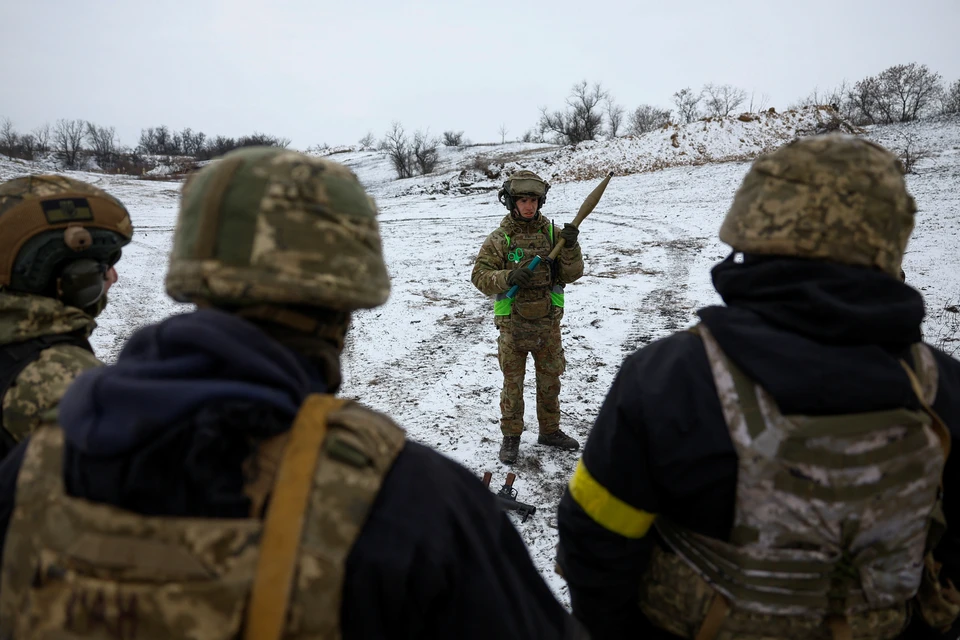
510 449
560 440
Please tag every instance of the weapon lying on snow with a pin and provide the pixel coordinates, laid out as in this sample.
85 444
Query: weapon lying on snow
589 203
507 496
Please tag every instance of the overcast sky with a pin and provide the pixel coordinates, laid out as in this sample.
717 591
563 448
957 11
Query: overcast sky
321 71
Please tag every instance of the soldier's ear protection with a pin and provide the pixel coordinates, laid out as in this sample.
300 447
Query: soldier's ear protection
82 283
504 195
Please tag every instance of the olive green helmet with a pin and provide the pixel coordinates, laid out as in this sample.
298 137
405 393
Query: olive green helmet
523 183
834 197
270 226
58 238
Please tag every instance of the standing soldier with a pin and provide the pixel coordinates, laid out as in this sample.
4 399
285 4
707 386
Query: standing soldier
779 471
530 322
210 484
59 241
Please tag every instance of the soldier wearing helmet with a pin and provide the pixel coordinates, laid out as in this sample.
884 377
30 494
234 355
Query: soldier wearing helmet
59 241
781 470
529 323
209 484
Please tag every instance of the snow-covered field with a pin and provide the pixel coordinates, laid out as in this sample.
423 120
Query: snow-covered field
428 357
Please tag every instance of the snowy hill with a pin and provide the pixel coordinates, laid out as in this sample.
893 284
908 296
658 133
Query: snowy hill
428 357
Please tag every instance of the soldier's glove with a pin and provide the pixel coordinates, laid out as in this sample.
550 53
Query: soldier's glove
521 277
569 234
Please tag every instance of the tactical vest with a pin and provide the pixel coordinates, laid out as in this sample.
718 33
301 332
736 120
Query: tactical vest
74 568
538 299
831 523
14 358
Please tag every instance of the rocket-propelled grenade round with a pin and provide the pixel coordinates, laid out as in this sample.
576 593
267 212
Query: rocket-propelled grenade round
589 203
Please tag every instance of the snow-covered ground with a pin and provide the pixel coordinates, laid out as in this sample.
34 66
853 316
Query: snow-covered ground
428 357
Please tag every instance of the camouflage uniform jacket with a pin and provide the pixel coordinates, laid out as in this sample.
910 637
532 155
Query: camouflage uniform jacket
494 263
41 383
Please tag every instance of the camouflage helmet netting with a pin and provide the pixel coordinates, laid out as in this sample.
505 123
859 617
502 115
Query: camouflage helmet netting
833 197
264 225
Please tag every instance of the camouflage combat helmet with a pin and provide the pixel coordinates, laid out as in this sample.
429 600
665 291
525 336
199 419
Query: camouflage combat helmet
58 238
523 183
269 226
833 197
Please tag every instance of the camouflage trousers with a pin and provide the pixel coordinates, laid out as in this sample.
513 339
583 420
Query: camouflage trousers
542 340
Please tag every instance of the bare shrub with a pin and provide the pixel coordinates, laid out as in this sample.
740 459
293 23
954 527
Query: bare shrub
397 146
452 138
614 116
951 99
688 104
425 152
647 118
910 150
722 99
368 140
582 119
943 329
758 105
481 164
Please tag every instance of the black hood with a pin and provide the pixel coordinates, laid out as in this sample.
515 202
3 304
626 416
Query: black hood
821 337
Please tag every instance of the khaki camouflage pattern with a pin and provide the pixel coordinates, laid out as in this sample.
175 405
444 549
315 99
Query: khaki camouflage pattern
832 197
41 384
526 183
271 226
676 599
73 568
831 520
22 216
492 265
534 324
541 340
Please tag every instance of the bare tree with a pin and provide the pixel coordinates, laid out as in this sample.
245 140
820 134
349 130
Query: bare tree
68 140
951 98
503 132
368 140
14 144
190 143
722 99
8 136
614 116
452 138
397 146
688 104
103 144
647 118
901 93
582 120
756 106
425 152
41 136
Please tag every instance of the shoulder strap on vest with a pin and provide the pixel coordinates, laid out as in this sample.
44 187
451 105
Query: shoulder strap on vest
15 357
925 367
270 596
